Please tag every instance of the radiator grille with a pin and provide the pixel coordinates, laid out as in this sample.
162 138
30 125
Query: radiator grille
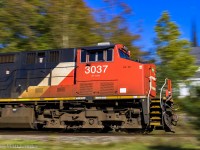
86 89
107 88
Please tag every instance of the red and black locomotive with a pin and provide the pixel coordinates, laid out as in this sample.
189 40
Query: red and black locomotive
97 87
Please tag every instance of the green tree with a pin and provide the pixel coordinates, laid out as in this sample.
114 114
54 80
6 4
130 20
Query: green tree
71 23
35 24
16 27
114 28
176 62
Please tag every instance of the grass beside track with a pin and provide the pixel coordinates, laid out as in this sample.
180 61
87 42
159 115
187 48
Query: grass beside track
192 107
138 143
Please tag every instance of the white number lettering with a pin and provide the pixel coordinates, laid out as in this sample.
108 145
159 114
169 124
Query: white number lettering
95 69
105 68
87 69
99 69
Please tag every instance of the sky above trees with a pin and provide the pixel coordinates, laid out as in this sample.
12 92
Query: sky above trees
146 13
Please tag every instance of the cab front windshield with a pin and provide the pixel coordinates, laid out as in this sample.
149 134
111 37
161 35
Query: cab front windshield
124 55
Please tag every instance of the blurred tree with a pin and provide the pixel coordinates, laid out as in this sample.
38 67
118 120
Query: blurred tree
35 24
114 28
17 19
71 23
176 63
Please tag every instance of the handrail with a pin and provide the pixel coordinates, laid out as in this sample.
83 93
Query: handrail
148 97
161 92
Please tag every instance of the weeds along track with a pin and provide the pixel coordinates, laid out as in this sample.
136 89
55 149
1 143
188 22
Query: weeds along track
83 134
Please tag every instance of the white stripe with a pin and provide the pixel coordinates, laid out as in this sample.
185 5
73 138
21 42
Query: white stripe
59 73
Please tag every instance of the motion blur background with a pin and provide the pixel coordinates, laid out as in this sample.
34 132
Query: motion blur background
162 32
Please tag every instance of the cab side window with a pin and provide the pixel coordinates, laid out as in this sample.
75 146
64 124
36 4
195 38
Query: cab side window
100 55
83 56
109 55
96 56
92 56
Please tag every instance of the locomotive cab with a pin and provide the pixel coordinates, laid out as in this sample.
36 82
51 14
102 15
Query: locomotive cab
109 70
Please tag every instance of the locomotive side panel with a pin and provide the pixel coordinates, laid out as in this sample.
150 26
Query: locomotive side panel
59 74
95 71
130 76
54 74
108 71
37 74
9 66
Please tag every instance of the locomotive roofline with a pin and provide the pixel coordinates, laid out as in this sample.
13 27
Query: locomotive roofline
88 48
97 47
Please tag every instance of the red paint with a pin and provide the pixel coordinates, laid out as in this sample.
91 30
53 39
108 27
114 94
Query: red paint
107 78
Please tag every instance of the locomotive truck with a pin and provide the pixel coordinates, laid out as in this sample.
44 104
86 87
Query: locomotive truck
89 88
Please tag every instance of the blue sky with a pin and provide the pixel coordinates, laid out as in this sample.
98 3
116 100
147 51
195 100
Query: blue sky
147 12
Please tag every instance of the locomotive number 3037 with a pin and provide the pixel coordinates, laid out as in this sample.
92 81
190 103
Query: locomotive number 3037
96 69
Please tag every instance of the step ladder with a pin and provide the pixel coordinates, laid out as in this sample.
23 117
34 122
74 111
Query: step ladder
155 113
